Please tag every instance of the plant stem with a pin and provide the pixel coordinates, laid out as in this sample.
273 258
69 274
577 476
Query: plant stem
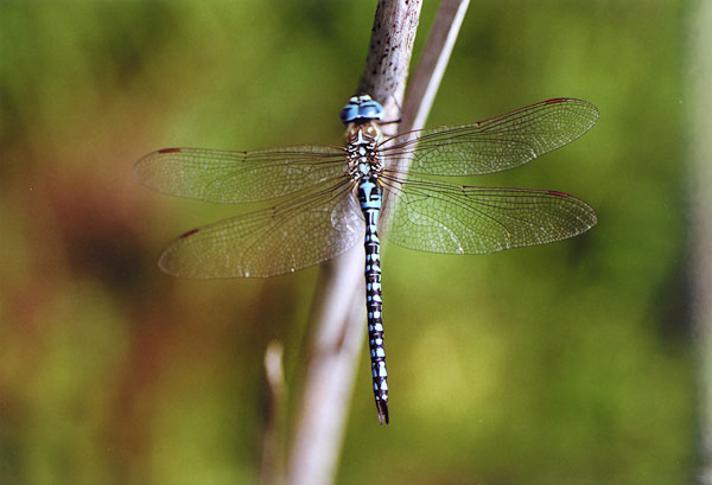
340 313
272 449
701 233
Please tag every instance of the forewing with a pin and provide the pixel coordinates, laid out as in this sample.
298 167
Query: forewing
306 231
443 218
235 177
495 144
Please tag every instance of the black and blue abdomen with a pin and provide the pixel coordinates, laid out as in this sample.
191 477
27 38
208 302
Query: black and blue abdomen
370 195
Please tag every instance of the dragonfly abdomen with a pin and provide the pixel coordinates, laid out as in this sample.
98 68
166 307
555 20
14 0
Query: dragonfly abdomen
370 196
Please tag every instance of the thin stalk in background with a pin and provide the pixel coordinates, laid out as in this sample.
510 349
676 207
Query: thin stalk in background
701 183
272 441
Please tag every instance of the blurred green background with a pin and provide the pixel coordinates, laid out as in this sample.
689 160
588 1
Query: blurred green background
569 363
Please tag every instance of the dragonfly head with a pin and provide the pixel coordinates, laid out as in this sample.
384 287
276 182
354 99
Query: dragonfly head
361 109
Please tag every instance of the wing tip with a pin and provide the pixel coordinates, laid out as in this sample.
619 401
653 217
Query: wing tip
143 164
143 168
166 264
169 263
590 107
591 218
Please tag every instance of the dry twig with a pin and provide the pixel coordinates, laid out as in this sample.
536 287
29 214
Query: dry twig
340 328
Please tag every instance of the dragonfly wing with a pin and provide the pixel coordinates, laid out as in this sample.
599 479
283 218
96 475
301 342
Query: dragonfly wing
496 144
443 218
235 177
305 231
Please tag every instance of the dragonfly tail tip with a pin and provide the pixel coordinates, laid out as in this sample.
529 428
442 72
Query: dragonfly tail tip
382 407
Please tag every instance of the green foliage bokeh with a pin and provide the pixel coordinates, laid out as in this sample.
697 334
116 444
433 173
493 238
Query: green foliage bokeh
568 363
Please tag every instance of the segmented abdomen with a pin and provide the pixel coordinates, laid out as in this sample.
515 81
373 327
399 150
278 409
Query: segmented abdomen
370 196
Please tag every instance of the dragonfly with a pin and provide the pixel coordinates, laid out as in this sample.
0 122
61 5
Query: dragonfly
322 200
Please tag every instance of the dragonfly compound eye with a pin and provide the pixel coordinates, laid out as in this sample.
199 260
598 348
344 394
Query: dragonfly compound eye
371 110
349 113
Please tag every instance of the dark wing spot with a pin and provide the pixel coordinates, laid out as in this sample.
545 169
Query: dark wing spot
556 193
556 100
188 233
169 150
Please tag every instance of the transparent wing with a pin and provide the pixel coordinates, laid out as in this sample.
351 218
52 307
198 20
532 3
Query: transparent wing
443 218
295 234
234 177
496 144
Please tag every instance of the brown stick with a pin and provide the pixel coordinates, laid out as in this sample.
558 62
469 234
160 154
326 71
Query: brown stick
338 334
340 328
431 68
389 53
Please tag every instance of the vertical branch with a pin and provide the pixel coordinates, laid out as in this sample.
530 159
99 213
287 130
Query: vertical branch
701 181
427 77
389 52
272 442
431 68
338 333
339 329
